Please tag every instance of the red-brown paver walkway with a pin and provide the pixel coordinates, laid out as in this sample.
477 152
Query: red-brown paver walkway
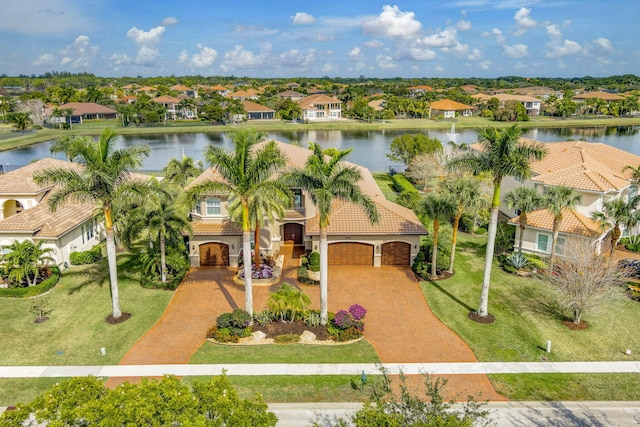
399 323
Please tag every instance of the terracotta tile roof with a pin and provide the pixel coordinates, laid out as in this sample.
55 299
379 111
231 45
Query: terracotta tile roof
422 87
39 221
251 107
180 87
240 94
572 222
449 105
309 101
606 96
510 97
219 88
290 94
166 99
226 228
20 181
87 108
348 218
377 104
481 97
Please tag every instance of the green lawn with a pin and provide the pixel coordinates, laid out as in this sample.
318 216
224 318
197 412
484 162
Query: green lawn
76 330
527 315
359 352
386 185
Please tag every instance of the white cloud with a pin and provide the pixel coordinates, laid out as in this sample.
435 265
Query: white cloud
554 31
485 65
183 58
496 34
296 59
458 49
329 68
516 51
475 55
373 44
79 54
120 59
302 18
355 53
255 30
420 54
603 44
463 25
392 22
567 48
46 59
524 21
445 38
169 21
205 58
239 57
146 41
146 38
385 62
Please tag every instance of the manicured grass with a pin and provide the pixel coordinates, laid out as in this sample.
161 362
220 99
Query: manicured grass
359 352
77 329
386 185
568 386
94 127
527 315
23 390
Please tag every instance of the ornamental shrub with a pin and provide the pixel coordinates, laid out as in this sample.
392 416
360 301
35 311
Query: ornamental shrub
357 311
344 325
314 261
401 183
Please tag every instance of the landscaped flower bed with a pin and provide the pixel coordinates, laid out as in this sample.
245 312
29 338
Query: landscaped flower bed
267 273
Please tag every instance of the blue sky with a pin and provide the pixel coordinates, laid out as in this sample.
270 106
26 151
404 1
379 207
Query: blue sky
348 38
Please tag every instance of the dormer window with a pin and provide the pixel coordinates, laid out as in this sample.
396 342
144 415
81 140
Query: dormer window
213 206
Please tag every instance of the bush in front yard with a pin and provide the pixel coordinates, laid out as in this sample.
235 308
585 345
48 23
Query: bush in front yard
86 257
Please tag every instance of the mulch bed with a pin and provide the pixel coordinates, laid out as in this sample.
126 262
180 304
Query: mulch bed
575 326
112 320
297 327
486 320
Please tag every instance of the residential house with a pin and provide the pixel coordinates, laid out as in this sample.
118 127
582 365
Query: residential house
415 91
25 214
172 105
291 94
449 109
377 104
321 107
394 240
258 112
184 90
220 90
594 170
531 104
604 96
81 111
242 95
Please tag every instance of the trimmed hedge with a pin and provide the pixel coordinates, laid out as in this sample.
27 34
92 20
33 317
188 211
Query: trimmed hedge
33 291
401 184
87 257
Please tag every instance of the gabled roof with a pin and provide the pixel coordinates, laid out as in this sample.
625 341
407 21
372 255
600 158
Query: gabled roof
20 181
166 99
510 97
311 100
252 107
606 96
180 88
449 105
240 94
572 222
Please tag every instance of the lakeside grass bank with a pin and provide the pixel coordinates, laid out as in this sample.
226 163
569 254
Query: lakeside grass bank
10 140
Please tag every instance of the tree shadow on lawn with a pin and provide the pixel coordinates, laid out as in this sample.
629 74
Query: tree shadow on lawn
531 300
88 276
450 295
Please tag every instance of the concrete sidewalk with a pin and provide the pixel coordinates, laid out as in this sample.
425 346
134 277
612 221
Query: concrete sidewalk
463 368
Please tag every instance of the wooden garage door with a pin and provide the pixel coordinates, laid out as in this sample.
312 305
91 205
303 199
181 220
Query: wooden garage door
396 253
214 254
350 254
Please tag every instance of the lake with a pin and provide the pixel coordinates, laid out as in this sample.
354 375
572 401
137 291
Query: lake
369 147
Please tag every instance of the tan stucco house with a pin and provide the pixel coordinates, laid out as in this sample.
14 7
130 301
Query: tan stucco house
395 240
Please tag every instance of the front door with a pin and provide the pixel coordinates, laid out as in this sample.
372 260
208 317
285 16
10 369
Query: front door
293 233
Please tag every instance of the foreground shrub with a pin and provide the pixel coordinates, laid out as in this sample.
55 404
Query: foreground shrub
288 302
230 327
85 401
91 256
39 289
347 325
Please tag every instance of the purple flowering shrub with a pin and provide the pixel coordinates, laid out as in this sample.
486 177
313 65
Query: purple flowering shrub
347 325
263 272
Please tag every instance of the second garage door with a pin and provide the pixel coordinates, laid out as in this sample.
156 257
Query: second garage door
350 254
396 253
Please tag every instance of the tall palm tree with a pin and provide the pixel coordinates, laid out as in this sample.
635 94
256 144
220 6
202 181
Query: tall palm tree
615 212
438 207
68 144
182 171
463 192
525 200
558 200
104 180
502 154
246 173
327 178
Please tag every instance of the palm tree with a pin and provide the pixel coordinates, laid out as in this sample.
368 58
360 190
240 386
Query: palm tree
525 200
502 154
68 144
615 212
24 260
104 180
180 172
558 200
463 192
327 178
246 174
437 207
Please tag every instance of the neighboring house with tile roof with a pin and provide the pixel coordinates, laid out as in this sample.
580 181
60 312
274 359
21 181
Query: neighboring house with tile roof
395 240
415 91
184 90
256 111
242 95
531 104
320 107
449 109
81 111
291 94
25 214
604 96
594 170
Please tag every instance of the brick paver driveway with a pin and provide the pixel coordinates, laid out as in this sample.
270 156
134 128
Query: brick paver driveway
399 323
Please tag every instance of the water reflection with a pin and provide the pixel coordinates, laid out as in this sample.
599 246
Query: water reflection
369 147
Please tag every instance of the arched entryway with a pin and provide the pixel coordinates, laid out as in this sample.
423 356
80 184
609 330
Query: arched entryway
396 253
293 233
214 254
350 253
11 207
